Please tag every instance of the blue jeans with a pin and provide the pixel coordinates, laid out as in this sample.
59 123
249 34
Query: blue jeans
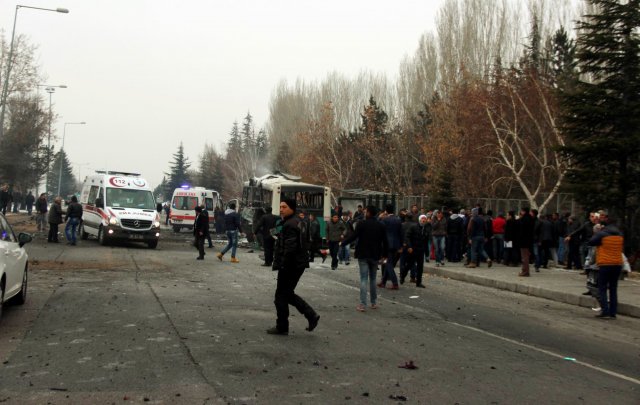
477 248
607 281
439 242
561 249
344 253
368 270
232 237
70 229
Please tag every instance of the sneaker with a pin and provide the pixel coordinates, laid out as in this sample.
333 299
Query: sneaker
234 260
360 308
412 280
333 268
472 266
381 285
374 306
421 286
199 258
489 263
347 263
219 256
276 331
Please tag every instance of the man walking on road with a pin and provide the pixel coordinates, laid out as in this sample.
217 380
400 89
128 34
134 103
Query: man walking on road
232 227
200 230
393 227
372 246
41 212
266 223
290 260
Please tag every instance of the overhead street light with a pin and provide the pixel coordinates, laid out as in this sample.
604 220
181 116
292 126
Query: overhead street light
5 88
64 132
49 89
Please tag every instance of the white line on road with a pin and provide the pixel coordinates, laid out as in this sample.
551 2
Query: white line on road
550 353
515 342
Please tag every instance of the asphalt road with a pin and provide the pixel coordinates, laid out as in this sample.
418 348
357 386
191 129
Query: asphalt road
127 324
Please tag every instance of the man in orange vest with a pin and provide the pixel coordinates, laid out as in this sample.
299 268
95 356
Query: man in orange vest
609 244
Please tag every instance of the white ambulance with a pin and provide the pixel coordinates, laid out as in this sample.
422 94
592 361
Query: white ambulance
184 202
119 205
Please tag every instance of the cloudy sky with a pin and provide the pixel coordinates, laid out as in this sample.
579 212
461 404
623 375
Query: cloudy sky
146 75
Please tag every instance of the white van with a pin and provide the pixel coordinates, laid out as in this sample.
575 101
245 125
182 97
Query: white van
184 202
119 205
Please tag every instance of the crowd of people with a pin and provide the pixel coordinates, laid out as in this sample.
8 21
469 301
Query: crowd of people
525 239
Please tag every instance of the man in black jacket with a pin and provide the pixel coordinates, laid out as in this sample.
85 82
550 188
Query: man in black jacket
290 260
372 246
416 240
200 230
74 216
525 239
265 224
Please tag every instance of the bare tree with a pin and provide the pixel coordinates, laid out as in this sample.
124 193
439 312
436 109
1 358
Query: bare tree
523 119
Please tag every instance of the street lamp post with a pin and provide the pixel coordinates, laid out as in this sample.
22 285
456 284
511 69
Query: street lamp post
64 133
49 89
5 88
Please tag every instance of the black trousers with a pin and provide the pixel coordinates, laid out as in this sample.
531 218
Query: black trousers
416 258
268 249
199 243
53 232
288 278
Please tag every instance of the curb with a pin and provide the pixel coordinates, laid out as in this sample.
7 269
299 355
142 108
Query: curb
541 292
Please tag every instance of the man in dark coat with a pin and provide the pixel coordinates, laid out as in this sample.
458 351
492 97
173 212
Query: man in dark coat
372 246
525 239
55 219
29 200
393 227
74 216
265 224
5 198
291 258
316 239
416 240
200 230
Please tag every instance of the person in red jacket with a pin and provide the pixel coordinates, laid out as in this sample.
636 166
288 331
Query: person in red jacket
498 226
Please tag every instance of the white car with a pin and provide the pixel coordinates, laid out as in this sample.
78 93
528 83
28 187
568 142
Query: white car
13 265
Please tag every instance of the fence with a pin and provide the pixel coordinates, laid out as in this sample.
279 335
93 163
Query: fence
562 202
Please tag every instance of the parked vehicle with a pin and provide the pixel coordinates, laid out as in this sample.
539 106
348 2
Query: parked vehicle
184 202
119 205
13 265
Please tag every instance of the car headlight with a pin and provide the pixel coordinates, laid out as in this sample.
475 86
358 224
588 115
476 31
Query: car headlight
113 221
156 224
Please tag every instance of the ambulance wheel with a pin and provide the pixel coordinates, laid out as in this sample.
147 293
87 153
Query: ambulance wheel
82 233
176 229
152 244
102 238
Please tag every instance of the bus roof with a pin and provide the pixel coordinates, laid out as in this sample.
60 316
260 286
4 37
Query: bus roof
280 179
